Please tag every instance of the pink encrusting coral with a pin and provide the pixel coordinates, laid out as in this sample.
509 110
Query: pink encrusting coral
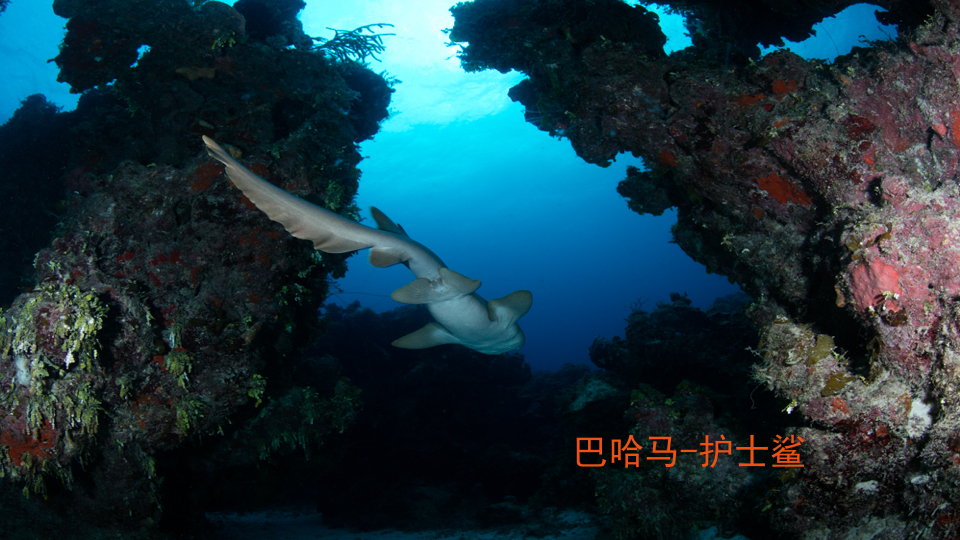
876 286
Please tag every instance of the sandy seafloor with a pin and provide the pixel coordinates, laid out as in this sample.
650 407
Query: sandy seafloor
304 523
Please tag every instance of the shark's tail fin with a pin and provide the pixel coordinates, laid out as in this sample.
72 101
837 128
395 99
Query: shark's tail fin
328 231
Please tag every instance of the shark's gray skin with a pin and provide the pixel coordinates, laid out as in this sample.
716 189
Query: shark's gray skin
462 316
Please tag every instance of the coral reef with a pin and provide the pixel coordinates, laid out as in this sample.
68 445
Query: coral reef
161 337
686 486
470 434
156 347
677 342
274 20
827 192
681 388
33 188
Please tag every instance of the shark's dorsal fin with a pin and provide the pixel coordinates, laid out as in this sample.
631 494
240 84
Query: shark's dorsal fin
427 291
386 224
431 335
510 308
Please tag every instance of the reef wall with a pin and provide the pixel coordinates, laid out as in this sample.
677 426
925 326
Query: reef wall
163 325
828 192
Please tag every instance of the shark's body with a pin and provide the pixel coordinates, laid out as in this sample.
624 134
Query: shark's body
463 316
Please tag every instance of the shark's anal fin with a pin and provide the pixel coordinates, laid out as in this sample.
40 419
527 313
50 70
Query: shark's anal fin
510 308
431 335
425 291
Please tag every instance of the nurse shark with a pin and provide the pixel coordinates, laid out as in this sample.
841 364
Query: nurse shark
461 315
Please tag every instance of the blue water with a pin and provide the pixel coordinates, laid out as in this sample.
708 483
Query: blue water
501 202
458 167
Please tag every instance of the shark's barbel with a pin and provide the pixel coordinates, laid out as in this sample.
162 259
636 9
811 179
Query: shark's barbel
462 316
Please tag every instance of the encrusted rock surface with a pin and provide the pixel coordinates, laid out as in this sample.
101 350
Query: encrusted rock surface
157 344
828 192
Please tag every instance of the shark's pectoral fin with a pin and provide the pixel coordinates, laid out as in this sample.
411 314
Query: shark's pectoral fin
458 282
448 286
510 308
431 335
384 257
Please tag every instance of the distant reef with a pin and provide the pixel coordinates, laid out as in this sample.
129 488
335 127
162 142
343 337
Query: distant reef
828 192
